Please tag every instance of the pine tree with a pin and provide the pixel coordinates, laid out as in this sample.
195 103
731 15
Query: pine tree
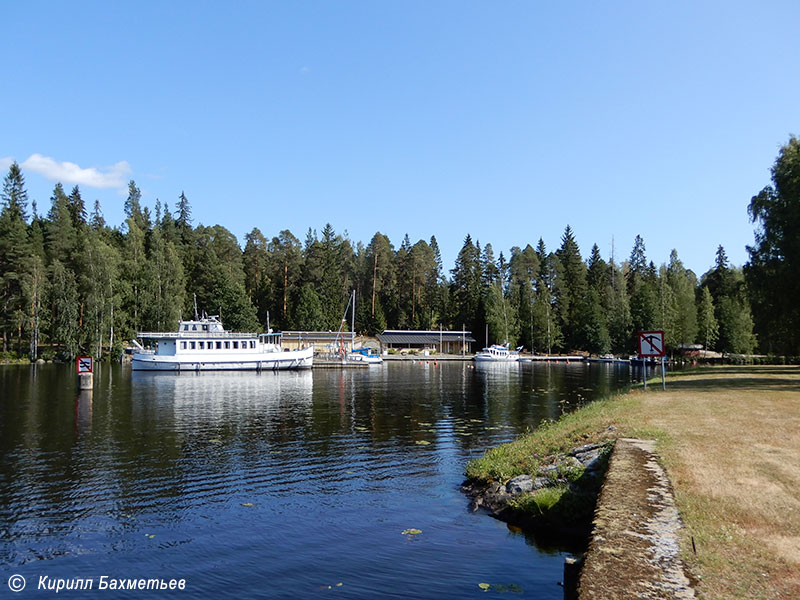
706 320
77 209
287 263
133 206
618 315
14 257
501 320
381 277
642 290
97 222
596 332
466 286
257 267
683 284
571 298
547 333
524 269
60 234
435 287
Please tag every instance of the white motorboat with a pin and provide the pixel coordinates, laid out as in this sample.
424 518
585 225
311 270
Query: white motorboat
364 355
203 345
497 353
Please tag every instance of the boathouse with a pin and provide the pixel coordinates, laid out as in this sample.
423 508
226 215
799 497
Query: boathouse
445 342
293 340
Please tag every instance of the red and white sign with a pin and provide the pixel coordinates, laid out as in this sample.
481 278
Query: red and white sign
651 343
83 364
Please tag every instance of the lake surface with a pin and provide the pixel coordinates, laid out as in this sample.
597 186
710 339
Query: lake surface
273 485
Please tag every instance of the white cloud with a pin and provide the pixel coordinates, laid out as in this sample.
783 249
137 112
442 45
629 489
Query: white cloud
5 163
114 176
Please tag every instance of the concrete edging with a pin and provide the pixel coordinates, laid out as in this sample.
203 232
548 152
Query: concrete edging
635 547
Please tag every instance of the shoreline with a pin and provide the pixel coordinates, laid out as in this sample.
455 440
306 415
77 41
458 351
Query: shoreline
727 438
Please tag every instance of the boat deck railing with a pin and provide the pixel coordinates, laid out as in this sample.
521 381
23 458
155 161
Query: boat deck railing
151 335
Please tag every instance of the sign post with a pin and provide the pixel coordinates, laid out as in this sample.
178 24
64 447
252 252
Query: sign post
84 366
651 344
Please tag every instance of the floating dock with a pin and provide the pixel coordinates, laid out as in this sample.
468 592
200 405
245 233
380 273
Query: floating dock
545 358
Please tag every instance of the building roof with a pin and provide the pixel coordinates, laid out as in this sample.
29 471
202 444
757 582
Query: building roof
319 336
395 336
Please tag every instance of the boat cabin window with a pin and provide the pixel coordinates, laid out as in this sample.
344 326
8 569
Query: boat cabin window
244 345
186 328
210 345
194 327
201 345
227 345
191 345
252 343
236 345
183 345
205 327
219 345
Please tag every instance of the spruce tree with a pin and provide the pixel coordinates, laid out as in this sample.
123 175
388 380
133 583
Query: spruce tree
14 257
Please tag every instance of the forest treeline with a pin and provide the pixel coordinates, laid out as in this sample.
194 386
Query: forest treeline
73 284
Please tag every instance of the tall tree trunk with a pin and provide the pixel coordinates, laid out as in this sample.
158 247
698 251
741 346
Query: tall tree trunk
374 282
285 285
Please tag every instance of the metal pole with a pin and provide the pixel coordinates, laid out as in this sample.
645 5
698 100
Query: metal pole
644 371
663 375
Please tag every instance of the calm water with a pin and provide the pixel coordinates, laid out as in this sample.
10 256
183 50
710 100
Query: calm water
273 485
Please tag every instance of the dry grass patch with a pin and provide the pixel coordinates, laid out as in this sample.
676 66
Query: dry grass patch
737 478
730 440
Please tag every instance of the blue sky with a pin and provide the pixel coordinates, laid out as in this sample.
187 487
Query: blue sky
505 120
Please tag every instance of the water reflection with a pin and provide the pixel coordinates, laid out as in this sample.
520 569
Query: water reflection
274 481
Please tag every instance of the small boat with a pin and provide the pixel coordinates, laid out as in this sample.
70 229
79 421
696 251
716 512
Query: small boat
364 355
497 353
203 345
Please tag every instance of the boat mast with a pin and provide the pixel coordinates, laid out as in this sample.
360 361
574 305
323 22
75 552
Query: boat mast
341 326
353 324
196 318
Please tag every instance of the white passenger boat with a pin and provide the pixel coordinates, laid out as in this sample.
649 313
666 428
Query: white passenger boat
203 345
497 353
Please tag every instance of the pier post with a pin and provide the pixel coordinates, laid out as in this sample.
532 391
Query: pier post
86 381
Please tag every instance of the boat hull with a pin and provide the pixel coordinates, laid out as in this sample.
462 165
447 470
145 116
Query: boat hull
266 361
494 359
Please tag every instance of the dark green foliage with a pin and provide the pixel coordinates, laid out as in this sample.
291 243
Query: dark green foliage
574 306
524 269
773 273
465 289
14 257
70 283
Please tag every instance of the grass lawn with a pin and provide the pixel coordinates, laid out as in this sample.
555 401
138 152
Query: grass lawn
729 438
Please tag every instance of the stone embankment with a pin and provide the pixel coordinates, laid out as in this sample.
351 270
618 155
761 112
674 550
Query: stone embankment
635 546
557 500
617 496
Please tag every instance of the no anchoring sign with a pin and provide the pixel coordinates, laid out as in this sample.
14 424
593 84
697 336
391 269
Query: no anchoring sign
83 364
651 343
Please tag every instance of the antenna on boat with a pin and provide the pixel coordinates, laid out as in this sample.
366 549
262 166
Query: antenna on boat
196 318
268 329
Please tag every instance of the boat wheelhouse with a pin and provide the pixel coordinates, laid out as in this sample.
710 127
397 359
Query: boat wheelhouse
204 345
